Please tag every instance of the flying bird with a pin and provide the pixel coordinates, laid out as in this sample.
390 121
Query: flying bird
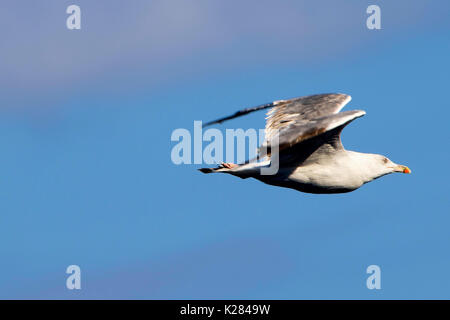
311 157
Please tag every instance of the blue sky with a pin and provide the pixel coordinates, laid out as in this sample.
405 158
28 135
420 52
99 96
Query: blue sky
86 176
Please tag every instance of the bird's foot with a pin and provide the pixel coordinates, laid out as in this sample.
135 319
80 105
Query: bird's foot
228 165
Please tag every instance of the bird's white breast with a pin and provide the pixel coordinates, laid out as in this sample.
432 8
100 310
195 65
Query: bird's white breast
334 173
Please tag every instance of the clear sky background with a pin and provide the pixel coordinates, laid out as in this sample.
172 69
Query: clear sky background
86 176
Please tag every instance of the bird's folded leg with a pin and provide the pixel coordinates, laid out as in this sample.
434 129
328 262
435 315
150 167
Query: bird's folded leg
228 165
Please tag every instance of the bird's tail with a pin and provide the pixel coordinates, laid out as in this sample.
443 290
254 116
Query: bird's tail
242 171
220 168
207 170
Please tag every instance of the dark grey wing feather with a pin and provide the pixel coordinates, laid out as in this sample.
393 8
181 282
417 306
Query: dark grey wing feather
239 114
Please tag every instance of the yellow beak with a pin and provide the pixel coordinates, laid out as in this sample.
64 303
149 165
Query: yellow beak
403 169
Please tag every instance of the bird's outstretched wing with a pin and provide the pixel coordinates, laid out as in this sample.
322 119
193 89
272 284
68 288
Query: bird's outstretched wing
307 107
303 111
300 119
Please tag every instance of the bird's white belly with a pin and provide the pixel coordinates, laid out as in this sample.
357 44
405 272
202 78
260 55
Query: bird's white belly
329 178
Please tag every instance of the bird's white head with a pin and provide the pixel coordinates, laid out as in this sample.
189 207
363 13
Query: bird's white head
378 165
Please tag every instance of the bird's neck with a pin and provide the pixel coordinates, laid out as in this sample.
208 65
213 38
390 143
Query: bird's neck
366 166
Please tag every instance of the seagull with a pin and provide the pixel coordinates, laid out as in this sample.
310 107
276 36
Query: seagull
311 157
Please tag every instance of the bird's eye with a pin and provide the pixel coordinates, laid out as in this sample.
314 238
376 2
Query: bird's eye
385 160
